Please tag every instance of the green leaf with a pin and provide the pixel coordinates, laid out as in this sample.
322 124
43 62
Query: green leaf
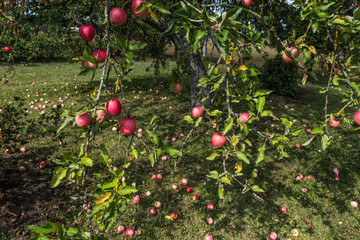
76 233
228 125
86 161
234 13
110 185
48 228
242 157
198 121
324 142
221 192
58 177
61 232
160 8
170 150
198 35
127 190
317 130
213 156
256 188
152 159
89 57
188 119
40 237
225 180
308 141
134 46
64 123
260 104
153 137
261 154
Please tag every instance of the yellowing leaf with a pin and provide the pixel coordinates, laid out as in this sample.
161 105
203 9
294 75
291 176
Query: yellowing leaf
153 15
103 198
243 68
238 167
232 72
312 49
170 218
93 94
105 22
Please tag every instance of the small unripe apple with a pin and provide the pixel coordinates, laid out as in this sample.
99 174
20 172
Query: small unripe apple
283 210
337 178
136 199
244 117
113 107
308 177
218 140
273 235
87 33
22 169
354 204
117 17
101 57
195 197
174 215
189 189
140 15
210 206
336 171
197 112
157 204
295 232
148 193
246 3
177 88
23 149
209 221
334 123
127 126
129 232
83 119
174 186
153 177
153 211
121 229
184 182
7 49
299 177
159 176
357 117
163 158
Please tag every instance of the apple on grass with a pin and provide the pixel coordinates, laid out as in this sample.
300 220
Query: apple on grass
129 232
153 211
184 182
283 210
142 14
7 49
117 17
209 237
121 229
295 232
136 199
210 206
209 221
196 197
177 88
83 119
174 215
127 126
87 33
273 235
157 204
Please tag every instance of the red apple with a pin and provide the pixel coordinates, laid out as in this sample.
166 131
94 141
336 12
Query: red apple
218 140
7 49
195 197
209 237
357 117
357 6
113 107
101 57
42 164
286 58
295 232
100 115
273 235
87 33
333 123
117 17
163 158
136 199
153 211
210 206
295 52
153 177
129 232
189 189
308 177
127 126
22 169
354 204
336 171
177 88
121 229
174 215
140 15
83 119
244 117
174 186
159 176
197 112
209 221
283 210
157 204
184 182
246 3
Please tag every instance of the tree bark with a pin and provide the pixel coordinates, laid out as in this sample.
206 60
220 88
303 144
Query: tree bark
193 62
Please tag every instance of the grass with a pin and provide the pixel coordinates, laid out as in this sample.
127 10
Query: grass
322 212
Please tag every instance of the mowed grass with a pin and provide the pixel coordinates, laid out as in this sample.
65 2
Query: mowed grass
323 211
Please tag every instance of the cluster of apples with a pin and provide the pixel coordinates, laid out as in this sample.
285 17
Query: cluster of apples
113 108
117 18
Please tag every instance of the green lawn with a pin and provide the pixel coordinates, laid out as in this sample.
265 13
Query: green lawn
322 212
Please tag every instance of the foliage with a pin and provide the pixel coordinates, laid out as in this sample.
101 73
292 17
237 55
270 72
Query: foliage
280 76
